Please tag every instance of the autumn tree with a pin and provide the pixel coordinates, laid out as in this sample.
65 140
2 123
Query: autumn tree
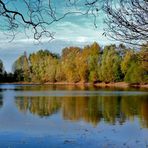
128 58
110 65
143 56
137 71
60 74
82 64
69 63
136 74
43 66
93 60
89 64
21 68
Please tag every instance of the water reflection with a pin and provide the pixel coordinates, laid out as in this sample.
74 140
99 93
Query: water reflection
111 109
1 100
42 106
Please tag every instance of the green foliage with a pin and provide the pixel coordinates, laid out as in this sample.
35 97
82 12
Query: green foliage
60 75
43 66
69 63
137 70
136 74
89 64
110 65
21 68
143 56
127 60
18 73
82 66
93 60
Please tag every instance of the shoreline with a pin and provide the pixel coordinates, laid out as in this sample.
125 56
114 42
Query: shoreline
102 84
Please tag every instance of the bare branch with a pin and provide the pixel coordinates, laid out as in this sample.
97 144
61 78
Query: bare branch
127 20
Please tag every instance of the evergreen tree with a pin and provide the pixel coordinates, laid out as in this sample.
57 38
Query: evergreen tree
1 70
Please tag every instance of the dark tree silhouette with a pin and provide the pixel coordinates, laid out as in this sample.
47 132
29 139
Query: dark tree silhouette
37 15
127 20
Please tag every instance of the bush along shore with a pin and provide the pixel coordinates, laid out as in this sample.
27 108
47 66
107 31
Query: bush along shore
112 65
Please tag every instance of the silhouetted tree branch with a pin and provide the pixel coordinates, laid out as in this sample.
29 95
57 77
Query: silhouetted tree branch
38 15
33 17
127 20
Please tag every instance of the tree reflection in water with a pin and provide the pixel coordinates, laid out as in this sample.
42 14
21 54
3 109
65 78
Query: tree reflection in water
1 101
111 109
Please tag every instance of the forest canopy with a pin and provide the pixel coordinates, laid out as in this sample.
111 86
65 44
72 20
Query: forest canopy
89 64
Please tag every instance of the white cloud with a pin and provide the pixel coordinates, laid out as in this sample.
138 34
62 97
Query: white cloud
82 39
71 31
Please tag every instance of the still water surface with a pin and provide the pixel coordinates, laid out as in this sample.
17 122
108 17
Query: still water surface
68 116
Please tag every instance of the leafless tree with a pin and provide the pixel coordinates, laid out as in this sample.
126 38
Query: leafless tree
127 20
14 19
38 15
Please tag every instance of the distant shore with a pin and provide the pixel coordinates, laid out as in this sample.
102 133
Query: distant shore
102 84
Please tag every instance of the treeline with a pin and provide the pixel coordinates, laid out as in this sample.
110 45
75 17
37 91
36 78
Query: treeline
89 64
4 76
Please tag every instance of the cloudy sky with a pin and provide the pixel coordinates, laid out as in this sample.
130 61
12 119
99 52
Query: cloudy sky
73 30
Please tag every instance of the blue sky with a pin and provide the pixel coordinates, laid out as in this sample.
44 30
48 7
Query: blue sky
74 30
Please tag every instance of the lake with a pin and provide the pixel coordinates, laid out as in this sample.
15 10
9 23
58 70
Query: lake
72 116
